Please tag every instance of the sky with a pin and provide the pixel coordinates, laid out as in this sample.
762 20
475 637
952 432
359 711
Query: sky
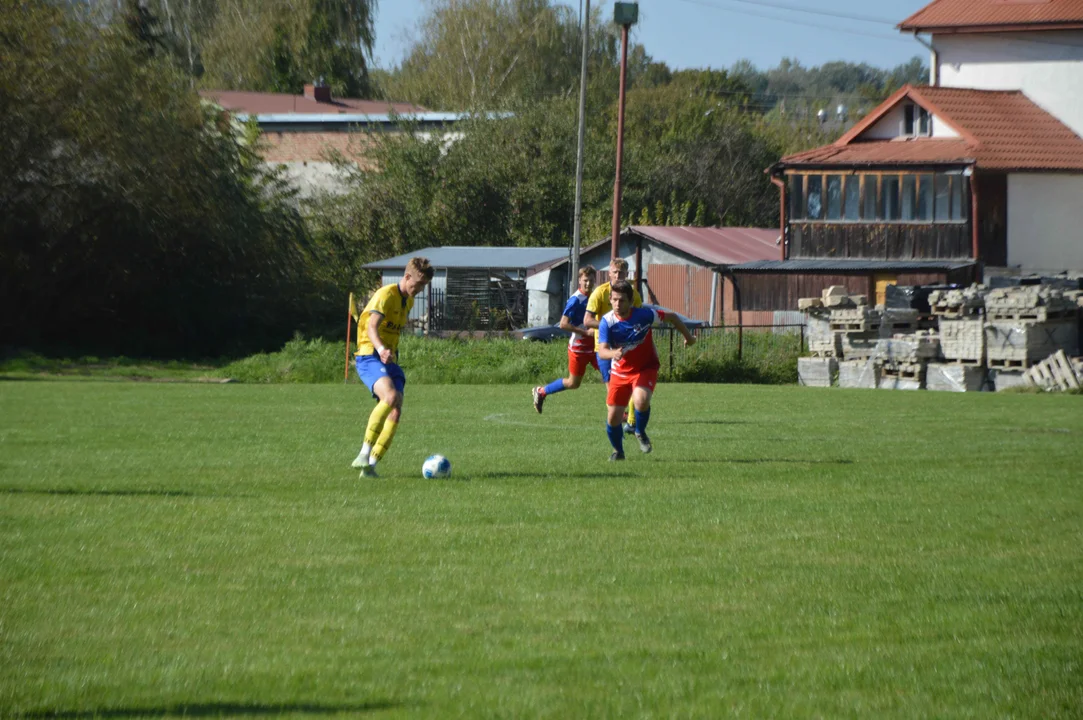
717 33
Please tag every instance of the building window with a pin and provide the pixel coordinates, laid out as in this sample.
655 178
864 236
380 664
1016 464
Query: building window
815 196
797 197
959 196
925 198
870 197
908 204
916 121
852 200
834 197
943 198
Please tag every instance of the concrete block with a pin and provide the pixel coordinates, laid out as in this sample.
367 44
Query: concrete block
1004 379
807 303
817 372
947 377
859 374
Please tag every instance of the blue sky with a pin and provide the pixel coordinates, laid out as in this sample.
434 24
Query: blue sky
717 33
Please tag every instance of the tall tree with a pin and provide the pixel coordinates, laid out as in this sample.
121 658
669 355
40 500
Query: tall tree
483 54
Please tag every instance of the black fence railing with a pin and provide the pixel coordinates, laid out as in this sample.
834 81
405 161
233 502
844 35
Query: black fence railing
762 345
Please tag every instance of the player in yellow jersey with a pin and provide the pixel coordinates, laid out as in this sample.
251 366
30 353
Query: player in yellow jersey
379 327
598 305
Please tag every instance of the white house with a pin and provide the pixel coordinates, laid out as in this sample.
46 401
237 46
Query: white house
1033 46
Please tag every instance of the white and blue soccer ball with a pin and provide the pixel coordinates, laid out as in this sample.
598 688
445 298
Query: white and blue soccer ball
436 467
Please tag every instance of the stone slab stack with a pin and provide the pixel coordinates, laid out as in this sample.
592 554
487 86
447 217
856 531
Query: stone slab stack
960 315
1025 325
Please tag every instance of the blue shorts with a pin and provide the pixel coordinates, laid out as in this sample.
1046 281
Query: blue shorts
603 368
370 370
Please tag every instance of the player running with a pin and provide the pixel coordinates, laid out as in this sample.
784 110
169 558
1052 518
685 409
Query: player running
625 338
598 305
379 328
580 344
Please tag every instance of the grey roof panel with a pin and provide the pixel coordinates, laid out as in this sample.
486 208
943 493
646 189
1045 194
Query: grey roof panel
843 265
475 257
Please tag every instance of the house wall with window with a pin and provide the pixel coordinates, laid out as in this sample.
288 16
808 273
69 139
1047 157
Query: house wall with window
1047 66
890 215
1045 222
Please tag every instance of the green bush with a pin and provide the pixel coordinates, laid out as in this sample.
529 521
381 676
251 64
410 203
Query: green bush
499 360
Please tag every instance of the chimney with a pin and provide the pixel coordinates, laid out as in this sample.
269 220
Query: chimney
318 91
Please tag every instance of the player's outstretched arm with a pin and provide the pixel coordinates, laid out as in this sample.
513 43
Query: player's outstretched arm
566 325
689 338
590 320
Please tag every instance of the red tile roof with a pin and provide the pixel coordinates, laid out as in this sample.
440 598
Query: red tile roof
995 15
281 103
998 130
716 246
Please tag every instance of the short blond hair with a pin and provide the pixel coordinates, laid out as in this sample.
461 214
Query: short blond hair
420 266
620 264
587 270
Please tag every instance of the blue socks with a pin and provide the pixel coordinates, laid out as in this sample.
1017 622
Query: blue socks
616 436
642 418
555 386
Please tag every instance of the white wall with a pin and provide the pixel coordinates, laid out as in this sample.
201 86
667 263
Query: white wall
1047 66
1045 221
313 178
888 126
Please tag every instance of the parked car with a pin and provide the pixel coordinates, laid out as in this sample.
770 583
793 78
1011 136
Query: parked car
549 333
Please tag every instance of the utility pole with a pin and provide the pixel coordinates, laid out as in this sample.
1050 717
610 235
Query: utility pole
573 281
625 14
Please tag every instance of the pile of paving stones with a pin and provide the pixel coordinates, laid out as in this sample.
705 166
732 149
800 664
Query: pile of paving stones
974 338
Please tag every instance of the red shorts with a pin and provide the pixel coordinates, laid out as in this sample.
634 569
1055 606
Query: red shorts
579 362
620 387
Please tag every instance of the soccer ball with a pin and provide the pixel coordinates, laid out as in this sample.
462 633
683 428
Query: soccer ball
436 467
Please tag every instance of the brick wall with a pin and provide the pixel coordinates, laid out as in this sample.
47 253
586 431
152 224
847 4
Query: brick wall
312 146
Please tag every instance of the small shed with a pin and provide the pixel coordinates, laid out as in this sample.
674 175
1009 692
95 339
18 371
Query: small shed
473 288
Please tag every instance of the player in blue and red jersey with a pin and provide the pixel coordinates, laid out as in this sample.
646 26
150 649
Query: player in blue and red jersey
581 343
624 336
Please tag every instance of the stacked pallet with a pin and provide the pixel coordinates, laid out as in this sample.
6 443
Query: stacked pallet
1056 372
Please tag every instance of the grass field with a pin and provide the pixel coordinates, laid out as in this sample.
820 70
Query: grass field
205 550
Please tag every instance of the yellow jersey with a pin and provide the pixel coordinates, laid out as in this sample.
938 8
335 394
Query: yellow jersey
599 304
395 307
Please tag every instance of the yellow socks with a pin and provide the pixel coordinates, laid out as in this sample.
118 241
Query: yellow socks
376 422
384 441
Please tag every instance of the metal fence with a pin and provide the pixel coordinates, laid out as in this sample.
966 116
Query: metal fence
763 345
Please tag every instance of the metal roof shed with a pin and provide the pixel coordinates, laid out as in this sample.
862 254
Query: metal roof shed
474 288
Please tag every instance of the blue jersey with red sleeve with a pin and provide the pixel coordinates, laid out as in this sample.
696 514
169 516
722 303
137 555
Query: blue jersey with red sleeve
632 333
575 310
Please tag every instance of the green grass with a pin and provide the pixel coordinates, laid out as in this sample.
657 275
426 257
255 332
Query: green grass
784 552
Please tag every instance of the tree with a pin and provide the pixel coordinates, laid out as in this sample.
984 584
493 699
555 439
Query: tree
487 54
134 217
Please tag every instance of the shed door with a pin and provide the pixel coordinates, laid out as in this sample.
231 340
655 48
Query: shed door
882 280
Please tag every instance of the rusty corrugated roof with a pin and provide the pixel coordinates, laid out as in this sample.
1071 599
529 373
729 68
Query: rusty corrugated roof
998 130
257 103
715 246
957 16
